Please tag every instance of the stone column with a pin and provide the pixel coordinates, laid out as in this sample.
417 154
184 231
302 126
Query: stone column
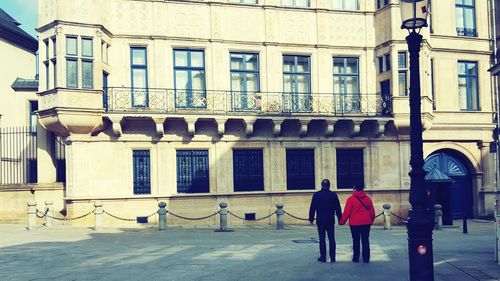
162 216
46 162
280 217
49 207
98 211
31 215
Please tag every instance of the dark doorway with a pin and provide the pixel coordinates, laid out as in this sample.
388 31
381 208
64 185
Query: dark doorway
455 197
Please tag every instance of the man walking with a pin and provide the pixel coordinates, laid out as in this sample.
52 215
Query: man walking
325 204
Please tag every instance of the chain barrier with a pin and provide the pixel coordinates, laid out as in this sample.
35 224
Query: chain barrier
192 219
401 218
256 219
43 214
379 215
117 217
295 217
61 219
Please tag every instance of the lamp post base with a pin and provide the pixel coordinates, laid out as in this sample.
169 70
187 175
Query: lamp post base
420 225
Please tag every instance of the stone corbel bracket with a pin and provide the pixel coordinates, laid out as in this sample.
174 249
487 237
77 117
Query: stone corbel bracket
381 128
159 124
190 122
303 127
221 126
249 127
277 127
116 124
330 127
356 128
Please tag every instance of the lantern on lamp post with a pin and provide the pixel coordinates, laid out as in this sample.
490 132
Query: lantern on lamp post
420 217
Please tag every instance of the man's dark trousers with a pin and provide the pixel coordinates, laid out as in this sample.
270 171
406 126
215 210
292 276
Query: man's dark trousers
329 229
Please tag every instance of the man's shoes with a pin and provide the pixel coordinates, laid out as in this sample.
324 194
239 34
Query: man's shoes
321 259
366 261
332 260
355 260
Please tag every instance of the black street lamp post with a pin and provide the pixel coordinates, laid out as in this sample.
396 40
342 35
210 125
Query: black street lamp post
420 217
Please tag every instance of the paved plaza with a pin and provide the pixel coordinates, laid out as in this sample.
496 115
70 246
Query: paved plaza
257 252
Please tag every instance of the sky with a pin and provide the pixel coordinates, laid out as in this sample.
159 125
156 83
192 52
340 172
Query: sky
24 11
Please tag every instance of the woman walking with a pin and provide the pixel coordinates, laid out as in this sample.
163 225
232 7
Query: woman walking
360 213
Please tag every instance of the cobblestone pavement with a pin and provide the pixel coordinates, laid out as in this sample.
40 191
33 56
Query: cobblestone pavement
257 252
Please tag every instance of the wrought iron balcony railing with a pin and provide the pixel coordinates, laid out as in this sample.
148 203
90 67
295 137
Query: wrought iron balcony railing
470 32
230 102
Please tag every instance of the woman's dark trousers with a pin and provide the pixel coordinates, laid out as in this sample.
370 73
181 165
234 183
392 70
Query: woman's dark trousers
361 232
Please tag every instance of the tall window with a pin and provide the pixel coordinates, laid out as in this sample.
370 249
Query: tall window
300 169
46 64
431 29
244 80
345 4
54 60
402 74
71 61
297 83
244 1
87 63
142 172
346 84
432 85
387 58
189 76
192 171
382 3
248 170
33 117
466 17
380 64
350 168
468 86
295 3
139 76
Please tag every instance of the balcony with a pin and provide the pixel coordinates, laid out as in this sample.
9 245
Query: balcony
169 101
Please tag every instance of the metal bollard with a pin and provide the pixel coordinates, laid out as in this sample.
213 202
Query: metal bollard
98 211
387 216
438 217
31 215
162 216
223 216
280 217
49 207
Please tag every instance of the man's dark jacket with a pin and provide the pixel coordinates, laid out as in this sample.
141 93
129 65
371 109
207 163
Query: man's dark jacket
325 204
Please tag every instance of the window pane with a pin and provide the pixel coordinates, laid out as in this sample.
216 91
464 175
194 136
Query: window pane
196 59
461 68
402 84
402 60
302 64
87 47
338 65
471 69
252 82
462 93
352 85
138 56
337 4
198 80
387 62
287 2
469 18
87 74
181 58
287 81
303 83
459 14
288 63
473 95
142 172
54 47
350 168
337 84
71 73
71 46
252 62
181 79
351 4
380 64
139 78
248 170
237 82
302 3
352 66
300 169
237 61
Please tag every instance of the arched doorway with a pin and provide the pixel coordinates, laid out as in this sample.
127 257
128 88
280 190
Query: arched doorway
460 191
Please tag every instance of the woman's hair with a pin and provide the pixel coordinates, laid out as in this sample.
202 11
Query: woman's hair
359 188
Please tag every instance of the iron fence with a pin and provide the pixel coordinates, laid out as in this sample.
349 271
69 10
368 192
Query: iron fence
155 100
18 156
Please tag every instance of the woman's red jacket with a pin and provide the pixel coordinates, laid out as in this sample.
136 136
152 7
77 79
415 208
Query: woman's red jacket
355 212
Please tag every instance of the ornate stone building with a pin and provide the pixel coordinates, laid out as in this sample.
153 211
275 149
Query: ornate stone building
254 102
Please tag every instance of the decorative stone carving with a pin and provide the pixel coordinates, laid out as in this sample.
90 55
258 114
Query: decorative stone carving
159 121
249 127
277 127
303 127
116 124
356 128
221 126
190 122
330 127
381 128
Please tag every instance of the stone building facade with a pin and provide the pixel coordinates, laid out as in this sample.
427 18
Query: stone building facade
254 102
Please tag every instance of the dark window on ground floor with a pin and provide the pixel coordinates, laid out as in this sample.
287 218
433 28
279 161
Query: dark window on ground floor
192 171
248 170
350 168
300 169
142 172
